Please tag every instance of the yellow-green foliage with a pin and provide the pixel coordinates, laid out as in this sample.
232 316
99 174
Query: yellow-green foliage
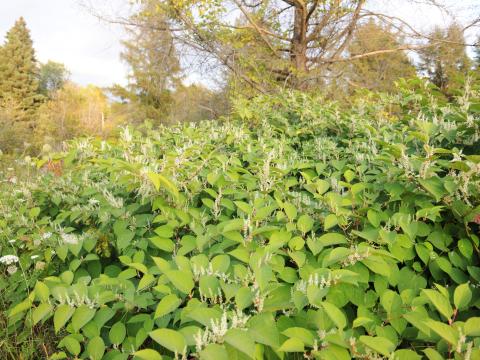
293 230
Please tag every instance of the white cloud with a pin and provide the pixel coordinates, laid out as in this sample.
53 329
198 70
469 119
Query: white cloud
63 31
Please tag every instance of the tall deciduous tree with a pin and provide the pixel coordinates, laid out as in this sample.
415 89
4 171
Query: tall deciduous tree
446 58
287 43
377 72
154 65
53 76
19 72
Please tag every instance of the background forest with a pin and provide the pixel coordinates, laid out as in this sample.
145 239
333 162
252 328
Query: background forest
318 197
353 50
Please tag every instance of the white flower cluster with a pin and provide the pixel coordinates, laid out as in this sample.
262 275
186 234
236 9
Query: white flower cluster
317 281
355 256
9 259
197 272
78 300
70 239
218 328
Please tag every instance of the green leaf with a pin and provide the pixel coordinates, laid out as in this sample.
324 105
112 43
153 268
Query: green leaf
290 210
62 314
163 243
40 312
169 339
466 248
433 354
41 291
147 354
379 344
305 223
292 345
434 186
71 344
243 298
306 336
335 314
441 303
181 279
336 255
123 234
443 330
161 181
214 352
406 354
81 316
117 333
240 340
472 326
96 348
373 218
462 296
331 220
168 304
204 315
332 239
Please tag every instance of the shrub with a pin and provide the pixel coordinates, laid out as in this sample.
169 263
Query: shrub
302 230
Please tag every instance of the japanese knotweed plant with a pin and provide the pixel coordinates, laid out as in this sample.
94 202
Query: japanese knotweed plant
301 230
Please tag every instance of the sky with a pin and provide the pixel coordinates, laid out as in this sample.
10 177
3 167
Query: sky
66 32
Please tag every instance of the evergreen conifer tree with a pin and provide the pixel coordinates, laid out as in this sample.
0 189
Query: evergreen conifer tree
446 60
19 73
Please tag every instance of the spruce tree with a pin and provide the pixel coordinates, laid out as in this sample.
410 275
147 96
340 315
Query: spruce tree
381 71
19 73
446 60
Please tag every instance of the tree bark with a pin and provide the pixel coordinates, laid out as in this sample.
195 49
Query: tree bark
299 43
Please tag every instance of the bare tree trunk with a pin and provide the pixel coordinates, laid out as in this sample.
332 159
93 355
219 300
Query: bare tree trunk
299 43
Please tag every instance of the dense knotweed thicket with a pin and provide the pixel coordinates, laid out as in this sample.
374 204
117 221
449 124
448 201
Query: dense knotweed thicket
296 229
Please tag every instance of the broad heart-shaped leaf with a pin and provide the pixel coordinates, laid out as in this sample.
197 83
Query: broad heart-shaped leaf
167 305
290 210
214 352
441 303
462 296
330 221
160 181
42 292
306 336
379 344
169 339
292 345
117 333
406 354
332 239
240 340
96 348
335 314
304 223
434 186
61 315
123 234
40 312
71 344
243 298
147 354
204 315
446 332
432 354
472 326
82 315
336 255
181 279
263 329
